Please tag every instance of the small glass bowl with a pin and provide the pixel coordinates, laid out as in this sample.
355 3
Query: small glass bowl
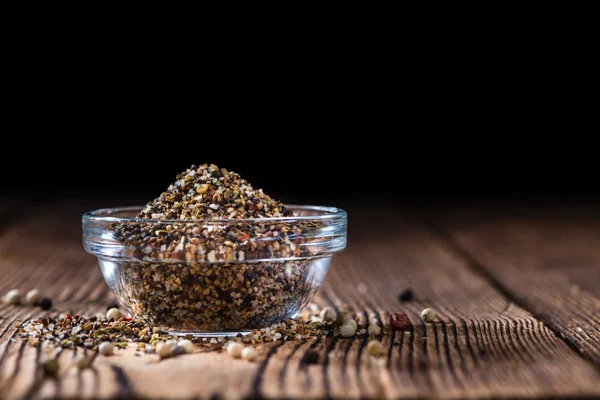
214 277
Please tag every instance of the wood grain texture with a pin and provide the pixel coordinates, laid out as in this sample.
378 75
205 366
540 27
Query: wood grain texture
480 345
548 260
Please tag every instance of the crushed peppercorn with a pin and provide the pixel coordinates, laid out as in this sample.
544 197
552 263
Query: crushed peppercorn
204 277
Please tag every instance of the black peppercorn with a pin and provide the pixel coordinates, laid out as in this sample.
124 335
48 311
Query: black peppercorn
112 304
45 303
406 295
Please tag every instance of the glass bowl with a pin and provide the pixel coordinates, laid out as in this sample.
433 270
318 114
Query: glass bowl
214 277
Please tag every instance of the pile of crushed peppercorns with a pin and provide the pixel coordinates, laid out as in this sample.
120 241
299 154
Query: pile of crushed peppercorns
212 276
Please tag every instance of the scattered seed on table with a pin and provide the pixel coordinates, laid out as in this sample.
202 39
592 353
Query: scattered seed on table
106 348
234 349
406 295
347 330
164 349
13 297
327 314
373 330
427 315
114 314
187 345
375 348
32 297
51 367
399 322
45 303
249 353
351 322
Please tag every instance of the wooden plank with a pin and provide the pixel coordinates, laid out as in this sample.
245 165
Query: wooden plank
547 260
481 344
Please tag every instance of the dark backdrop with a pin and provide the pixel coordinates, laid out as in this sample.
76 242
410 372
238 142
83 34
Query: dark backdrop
318 168
434 135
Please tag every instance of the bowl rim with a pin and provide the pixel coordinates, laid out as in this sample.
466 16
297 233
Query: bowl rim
103 215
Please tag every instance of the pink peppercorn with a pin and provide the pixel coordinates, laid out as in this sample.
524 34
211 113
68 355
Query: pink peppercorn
399 322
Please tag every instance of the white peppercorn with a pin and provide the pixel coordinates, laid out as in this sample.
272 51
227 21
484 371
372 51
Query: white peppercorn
32 297
106 348
375 348
347 330
234 349
327 314
164 349
351 322
114 314
249 353
13 297
373 330
187 345
427 315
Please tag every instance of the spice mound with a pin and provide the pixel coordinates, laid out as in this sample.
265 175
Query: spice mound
216 262
210 192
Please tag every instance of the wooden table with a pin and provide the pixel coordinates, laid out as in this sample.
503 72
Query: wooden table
517 296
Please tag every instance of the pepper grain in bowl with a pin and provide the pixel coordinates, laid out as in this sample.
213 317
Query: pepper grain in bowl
213 256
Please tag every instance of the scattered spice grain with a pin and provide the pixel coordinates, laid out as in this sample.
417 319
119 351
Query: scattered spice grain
32 297
373 330
106 348
406 295
12 297
347 330
427 315
114 314
327 314
234 349
249 353
45 303
399 322
164 349
351 322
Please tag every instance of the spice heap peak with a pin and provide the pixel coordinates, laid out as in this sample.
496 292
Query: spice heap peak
208 191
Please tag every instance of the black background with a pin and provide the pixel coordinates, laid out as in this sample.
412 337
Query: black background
311 167
430 135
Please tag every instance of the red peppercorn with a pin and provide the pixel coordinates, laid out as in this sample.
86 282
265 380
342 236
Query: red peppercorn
399 322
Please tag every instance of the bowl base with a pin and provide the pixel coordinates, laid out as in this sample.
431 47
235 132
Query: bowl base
208 334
